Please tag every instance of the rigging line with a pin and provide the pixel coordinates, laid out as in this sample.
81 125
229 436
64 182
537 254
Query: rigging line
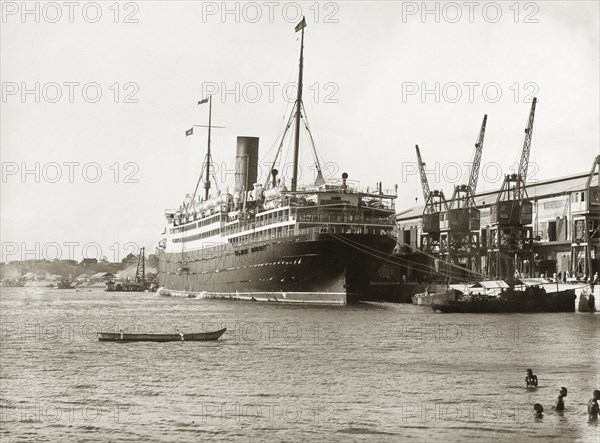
314 151
420 267
285 106
218 188
282 135
433 257
266 154
291 80
538 198
290 120
312 141
282 140
401 243
427 268
287 152
398 259
313 111
316 145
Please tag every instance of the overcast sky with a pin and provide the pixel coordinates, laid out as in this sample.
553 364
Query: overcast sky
379 78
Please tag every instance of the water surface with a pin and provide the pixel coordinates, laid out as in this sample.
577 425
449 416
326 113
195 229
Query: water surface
370 372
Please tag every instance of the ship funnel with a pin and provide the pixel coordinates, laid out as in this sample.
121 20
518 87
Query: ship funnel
246 163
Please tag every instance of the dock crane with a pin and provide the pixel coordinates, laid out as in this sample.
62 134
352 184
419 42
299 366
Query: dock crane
435 203
459 241
140 272
510 238
585 232
465 194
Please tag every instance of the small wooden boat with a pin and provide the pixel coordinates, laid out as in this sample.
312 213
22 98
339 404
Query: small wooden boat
63 284
122 337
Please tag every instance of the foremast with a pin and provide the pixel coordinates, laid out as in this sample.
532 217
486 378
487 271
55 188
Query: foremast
208 157
299 27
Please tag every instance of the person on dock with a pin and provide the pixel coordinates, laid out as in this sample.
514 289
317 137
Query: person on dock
531 381
539 410
560 403
180 334
593 408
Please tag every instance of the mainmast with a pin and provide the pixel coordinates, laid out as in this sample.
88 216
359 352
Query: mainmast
299 27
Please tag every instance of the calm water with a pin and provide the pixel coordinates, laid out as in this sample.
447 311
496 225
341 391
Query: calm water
372 372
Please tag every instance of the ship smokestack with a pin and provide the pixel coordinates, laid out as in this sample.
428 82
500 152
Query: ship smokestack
274 172
246 163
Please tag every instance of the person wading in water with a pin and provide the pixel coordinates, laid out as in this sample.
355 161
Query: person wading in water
531 380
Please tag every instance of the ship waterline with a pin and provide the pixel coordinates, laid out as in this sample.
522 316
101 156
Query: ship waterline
314 265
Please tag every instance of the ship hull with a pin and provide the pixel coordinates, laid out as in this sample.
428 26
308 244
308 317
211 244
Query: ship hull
313 268
561 301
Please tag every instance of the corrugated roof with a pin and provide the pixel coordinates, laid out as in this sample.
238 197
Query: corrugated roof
533 281
535 191
414 212
494 284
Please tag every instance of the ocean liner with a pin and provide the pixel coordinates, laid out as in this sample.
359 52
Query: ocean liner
319 244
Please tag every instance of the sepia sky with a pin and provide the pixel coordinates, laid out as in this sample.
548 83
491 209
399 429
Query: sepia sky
96 99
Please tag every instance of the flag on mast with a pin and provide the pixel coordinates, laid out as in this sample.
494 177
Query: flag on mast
201 102
300 26
189 131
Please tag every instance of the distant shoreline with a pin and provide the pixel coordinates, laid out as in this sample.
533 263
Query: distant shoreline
40 271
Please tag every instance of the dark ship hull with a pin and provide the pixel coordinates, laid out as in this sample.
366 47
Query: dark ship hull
319 268
562 301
